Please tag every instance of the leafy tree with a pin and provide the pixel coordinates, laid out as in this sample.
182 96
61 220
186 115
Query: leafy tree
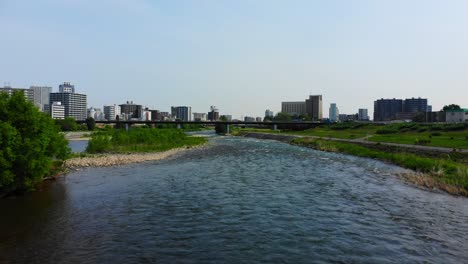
30 144
67 124
282 117
451 107
90 123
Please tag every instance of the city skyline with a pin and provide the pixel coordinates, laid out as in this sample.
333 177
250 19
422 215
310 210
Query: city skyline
242 56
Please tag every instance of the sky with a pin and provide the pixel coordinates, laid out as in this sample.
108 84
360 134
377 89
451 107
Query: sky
243 56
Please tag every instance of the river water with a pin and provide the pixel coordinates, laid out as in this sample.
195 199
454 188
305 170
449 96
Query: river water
237 201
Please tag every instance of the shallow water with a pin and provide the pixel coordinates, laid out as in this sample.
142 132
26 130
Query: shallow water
238 201
78 145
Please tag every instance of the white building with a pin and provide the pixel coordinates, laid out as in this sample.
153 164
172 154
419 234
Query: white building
268 113
456 116
111 112
145 115
57 110
333 113
363 114
199 116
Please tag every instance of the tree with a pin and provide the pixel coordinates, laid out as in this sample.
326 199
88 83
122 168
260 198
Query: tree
90 123
67 124
282 117
451 107
30 144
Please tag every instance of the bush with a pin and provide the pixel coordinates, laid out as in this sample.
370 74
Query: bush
422 141
386 131
436 134
30 144
67 124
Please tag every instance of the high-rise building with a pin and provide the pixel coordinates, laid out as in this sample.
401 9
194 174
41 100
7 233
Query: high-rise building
249 119
294 108
363 114
66 87
74 104
213 115
269 113
184 113
28 93
57 110
41 96
314 107
111 112
387 109
130 110
415 105
333 113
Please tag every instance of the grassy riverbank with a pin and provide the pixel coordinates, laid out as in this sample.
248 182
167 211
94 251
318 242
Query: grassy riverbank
436 135
140 140
442 173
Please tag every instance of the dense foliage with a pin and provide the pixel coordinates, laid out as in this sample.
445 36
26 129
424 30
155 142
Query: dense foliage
69 124
451 107
30 144
140 140
90 123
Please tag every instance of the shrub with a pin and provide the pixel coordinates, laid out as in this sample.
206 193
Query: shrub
436 134
386 131
422 141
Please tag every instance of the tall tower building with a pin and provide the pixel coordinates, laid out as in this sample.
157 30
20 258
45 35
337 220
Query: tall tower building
314 107
363 115
387 109
183 113
75 104
41 96
66 87
333 113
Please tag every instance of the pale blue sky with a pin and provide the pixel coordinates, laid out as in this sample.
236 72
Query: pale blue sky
242 56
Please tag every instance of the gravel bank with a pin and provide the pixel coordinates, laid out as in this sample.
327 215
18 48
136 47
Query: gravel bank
106 160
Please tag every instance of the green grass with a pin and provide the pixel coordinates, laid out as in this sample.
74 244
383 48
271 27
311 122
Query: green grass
140 140
441 170
328 132
437 135
333 131
450 139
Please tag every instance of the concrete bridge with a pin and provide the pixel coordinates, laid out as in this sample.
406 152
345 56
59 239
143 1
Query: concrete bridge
274 124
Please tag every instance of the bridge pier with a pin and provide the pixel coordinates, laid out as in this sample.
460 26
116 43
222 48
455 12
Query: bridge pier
275 127
126 127
228 131
179 126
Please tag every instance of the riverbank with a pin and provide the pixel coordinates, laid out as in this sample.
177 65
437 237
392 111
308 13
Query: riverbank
111 159
431 171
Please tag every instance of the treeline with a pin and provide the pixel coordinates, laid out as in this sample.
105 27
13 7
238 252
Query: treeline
31 146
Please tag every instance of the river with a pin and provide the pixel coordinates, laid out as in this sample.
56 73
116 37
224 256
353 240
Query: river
239 200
